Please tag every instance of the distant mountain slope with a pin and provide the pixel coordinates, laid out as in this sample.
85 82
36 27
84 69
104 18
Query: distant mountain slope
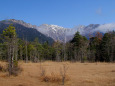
56 32
25 32
66 34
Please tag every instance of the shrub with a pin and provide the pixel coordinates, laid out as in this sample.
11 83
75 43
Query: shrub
1 68
63 72
16 70
43 71
53 77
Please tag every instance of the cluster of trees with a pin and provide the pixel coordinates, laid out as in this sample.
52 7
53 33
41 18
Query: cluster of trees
18 49
97 48
103 47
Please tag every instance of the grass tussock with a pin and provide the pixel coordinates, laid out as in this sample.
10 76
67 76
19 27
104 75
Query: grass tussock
113 71
3 68
54 78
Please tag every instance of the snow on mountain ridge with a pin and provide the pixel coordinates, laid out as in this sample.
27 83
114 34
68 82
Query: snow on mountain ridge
59 33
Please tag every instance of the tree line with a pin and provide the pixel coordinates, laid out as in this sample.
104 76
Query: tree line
97 48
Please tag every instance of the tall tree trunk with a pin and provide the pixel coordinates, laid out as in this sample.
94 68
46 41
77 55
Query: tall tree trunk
26 53
9 59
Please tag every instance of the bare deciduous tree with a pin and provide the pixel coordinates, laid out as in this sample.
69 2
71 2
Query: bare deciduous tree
63 72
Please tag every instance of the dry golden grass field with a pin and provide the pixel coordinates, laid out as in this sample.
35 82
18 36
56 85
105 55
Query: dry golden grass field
78 74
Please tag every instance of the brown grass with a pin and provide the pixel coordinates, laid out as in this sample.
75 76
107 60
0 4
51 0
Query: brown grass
113 71
3 67
54 77
51 78
79 74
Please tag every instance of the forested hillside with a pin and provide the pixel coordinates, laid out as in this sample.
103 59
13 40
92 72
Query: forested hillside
25 33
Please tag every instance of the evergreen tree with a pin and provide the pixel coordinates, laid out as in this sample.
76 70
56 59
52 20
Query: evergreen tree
80 46
9 36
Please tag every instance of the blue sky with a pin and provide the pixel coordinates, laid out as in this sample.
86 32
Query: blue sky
66 13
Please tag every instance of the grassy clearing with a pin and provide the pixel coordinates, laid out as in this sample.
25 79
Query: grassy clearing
78 74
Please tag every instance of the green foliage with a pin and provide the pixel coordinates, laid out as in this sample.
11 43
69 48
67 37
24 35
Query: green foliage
26 33
77 39
106 46
85 58
15 63
9 32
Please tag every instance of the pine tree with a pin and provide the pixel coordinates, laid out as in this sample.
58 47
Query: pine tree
9 36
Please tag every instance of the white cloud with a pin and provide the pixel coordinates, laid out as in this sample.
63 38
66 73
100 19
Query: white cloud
105 28
99 11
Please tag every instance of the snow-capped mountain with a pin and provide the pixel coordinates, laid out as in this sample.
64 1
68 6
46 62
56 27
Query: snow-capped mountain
65 34
56 32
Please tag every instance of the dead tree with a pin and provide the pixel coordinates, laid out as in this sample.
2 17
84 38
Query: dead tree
26 53
63 72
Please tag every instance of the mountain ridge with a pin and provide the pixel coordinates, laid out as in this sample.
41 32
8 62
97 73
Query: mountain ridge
26 33
66 34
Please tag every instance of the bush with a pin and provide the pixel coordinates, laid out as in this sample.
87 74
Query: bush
15 63
43 71
53 77
63 72
1 68
16 70
85 58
